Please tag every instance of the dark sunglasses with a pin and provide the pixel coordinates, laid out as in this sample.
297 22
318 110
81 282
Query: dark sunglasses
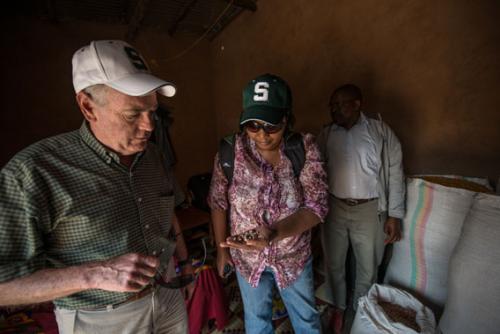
254 126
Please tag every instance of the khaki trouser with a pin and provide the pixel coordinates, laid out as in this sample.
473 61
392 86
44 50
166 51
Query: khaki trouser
363 227
160 312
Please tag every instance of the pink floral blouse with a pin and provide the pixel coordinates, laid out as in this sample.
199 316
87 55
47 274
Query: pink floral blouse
261 194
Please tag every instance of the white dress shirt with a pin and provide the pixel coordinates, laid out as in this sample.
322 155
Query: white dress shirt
353 161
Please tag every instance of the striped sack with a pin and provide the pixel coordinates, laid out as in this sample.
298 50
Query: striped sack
431 229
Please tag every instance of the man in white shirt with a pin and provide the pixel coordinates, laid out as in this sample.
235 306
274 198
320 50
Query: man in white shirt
367 191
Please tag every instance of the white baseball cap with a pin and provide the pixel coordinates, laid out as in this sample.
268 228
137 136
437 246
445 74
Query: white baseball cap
118 65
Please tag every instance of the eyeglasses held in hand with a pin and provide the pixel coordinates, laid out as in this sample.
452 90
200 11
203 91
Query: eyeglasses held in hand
254 126
181 281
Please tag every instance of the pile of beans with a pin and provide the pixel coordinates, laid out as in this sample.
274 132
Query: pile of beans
400 314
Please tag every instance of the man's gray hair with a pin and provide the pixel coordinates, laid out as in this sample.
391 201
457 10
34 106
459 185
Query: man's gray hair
98 93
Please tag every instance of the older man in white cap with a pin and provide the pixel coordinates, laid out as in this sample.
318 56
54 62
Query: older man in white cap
85 216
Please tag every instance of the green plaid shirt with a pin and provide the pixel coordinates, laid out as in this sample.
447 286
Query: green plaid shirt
66 200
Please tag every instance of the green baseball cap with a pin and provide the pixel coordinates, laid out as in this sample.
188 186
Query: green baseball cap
267 98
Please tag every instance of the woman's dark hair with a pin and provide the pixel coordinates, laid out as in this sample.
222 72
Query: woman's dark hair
290 121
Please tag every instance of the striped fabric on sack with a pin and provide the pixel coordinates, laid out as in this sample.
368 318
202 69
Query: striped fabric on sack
431 228
417 234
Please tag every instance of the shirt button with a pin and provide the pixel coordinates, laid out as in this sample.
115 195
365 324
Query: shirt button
154 252
146 226
139 199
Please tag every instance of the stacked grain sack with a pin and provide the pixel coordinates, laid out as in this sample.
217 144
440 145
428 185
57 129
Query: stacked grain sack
432 226
473 302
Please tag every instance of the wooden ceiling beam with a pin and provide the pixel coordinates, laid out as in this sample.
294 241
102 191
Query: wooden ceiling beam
184 12
245 4
136 19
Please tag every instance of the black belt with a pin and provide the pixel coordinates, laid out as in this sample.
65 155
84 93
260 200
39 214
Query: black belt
355 201
136 296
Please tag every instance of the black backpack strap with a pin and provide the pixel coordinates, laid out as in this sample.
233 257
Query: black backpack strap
294 150
226 156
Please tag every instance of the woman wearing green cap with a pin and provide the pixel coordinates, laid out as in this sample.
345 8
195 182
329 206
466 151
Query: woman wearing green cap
275 192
